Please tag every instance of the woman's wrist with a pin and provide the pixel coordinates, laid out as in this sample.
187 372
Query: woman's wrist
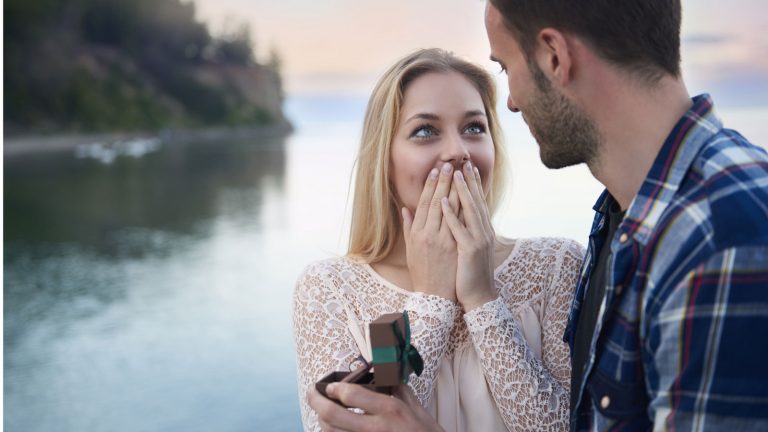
474 302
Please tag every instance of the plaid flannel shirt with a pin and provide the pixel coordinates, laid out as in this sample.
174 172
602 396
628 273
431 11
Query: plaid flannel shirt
681 340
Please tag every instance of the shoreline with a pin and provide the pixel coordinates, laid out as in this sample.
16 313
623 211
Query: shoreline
27 144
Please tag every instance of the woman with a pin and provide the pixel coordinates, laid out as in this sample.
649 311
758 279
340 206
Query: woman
487 313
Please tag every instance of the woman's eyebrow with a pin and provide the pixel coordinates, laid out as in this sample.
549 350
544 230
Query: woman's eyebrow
424 116
475 113
435 117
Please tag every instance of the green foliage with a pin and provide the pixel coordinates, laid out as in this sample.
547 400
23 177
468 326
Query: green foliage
121 64
25 19
234 47
111 103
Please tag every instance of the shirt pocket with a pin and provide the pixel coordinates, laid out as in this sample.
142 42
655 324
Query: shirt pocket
617 400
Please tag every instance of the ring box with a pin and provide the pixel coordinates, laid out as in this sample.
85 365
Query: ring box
384 333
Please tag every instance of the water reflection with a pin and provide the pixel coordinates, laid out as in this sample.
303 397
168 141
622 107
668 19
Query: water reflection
58 198
129 300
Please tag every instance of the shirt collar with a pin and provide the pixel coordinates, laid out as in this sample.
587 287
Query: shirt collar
668 171
601 205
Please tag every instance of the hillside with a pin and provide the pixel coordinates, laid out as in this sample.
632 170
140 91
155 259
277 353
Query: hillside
124 65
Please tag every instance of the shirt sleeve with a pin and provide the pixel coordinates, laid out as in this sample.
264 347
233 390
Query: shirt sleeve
708 364
530 393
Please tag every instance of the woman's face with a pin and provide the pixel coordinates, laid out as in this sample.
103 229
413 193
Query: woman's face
442 120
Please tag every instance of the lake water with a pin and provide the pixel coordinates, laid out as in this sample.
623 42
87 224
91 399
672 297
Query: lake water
153 292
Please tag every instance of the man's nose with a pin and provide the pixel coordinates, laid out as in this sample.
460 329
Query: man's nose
511 104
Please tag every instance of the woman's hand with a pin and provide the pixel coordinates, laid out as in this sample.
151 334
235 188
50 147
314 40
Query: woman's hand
430 248
382 412
475 240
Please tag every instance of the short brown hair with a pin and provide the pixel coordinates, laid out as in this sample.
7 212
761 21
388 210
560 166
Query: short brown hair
640 36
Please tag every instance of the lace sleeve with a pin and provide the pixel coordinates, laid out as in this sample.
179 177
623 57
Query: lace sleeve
531 394
432 319
554 351
322 339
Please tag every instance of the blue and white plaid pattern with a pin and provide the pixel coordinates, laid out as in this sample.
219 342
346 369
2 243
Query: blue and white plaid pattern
682 334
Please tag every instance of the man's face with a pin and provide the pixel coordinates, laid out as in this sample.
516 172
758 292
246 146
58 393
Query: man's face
565 134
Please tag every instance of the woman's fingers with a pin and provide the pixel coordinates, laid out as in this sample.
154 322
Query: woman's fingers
420 218
468 206
471 179
453 202
451 219
331 416
435 215
475 185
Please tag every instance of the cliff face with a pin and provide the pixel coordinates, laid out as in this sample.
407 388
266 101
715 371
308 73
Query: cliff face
121 65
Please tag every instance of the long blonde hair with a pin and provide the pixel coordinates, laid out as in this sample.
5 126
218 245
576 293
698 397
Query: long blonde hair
376 219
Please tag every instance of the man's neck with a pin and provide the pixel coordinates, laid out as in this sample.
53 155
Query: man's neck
634 121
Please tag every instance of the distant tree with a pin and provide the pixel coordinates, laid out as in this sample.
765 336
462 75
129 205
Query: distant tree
126 64
235 46
275 61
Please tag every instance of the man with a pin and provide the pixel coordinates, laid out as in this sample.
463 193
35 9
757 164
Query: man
667 319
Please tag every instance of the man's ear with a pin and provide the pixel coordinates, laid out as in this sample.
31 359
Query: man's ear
555 56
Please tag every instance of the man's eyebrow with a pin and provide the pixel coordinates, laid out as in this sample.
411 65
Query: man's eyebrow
494 59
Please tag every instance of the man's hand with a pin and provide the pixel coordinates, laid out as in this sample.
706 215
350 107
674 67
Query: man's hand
382 413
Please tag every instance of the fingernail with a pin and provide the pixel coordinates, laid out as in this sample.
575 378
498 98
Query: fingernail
331 389
433 173
444 201
459 176
447 168
468 166
477 172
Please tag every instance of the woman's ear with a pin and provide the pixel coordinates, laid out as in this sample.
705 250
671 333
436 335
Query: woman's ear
554 56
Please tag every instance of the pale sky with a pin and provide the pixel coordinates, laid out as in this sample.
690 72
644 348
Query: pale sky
341 46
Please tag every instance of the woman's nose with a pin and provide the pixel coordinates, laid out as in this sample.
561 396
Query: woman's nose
455 149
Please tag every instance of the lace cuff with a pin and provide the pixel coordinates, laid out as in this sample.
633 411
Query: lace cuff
488 315
433 307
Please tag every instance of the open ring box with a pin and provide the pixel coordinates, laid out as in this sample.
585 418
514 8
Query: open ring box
394 358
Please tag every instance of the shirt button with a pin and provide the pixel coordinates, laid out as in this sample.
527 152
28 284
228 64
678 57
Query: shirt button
623 238
619 289
605 402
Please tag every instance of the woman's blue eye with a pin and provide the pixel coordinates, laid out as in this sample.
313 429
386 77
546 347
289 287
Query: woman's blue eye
423 132
475 129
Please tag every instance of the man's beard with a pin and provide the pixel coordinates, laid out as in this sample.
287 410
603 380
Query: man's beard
566 135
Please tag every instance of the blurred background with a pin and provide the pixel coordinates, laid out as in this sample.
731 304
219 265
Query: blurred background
171 166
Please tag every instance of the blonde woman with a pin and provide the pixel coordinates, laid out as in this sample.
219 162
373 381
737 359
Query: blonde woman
487 313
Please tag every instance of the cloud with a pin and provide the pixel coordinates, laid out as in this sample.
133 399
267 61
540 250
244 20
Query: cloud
706 39
332 82
734 84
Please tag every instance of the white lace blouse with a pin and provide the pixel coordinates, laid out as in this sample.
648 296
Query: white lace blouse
502 366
